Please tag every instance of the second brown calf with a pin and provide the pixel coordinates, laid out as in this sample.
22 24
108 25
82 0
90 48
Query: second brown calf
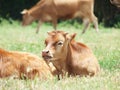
22 65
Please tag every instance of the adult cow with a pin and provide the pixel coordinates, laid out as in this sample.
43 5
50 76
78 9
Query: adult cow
69 56
52 10
22 65
116 3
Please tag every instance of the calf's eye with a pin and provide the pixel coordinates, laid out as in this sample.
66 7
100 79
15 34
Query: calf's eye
60 43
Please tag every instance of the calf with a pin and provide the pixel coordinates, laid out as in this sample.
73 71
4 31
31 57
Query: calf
69 56
22 65
52 10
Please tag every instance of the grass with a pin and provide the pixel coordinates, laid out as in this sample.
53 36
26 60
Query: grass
105 45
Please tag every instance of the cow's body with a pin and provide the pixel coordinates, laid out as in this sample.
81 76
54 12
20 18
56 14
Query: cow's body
52 10
69 56
22 65
116 3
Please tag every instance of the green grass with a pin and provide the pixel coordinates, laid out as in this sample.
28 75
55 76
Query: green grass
105 45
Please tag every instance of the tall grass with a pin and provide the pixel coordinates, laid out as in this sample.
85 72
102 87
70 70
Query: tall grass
105 45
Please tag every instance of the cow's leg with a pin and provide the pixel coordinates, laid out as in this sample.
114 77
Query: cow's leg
86 23
54 22
39 24
95 23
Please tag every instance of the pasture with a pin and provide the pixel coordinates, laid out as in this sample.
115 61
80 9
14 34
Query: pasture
105 45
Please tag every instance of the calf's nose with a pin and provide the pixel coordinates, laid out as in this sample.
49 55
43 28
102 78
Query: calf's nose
45 52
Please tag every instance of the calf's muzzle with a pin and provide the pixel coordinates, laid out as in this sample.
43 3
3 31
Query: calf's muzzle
46 54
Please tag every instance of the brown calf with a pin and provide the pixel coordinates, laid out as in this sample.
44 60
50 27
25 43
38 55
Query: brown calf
52 10
69 56
22 65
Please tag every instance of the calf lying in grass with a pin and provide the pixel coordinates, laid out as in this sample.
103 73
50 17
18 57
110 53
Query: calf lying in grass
22 65
69 56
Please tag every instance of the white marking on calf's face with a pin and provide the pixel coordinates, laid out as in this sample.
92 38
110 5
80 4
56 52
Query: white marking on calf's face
55 46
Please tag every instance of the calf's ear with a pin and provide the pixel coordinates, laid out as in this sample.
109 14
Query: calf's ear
24 11
70 36
65 34
73 36
51 33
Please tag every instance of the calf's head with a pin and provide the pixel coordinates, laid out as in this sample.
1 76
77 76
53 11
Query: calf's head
26 18
56 45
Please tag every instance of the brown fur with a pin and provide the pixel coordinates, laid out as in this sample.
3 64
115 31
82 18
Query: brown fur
70 57
22 65
52 10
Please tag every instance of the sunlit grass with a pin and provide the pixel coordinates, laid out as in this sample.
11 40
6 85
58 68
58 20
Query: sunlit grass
105 45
